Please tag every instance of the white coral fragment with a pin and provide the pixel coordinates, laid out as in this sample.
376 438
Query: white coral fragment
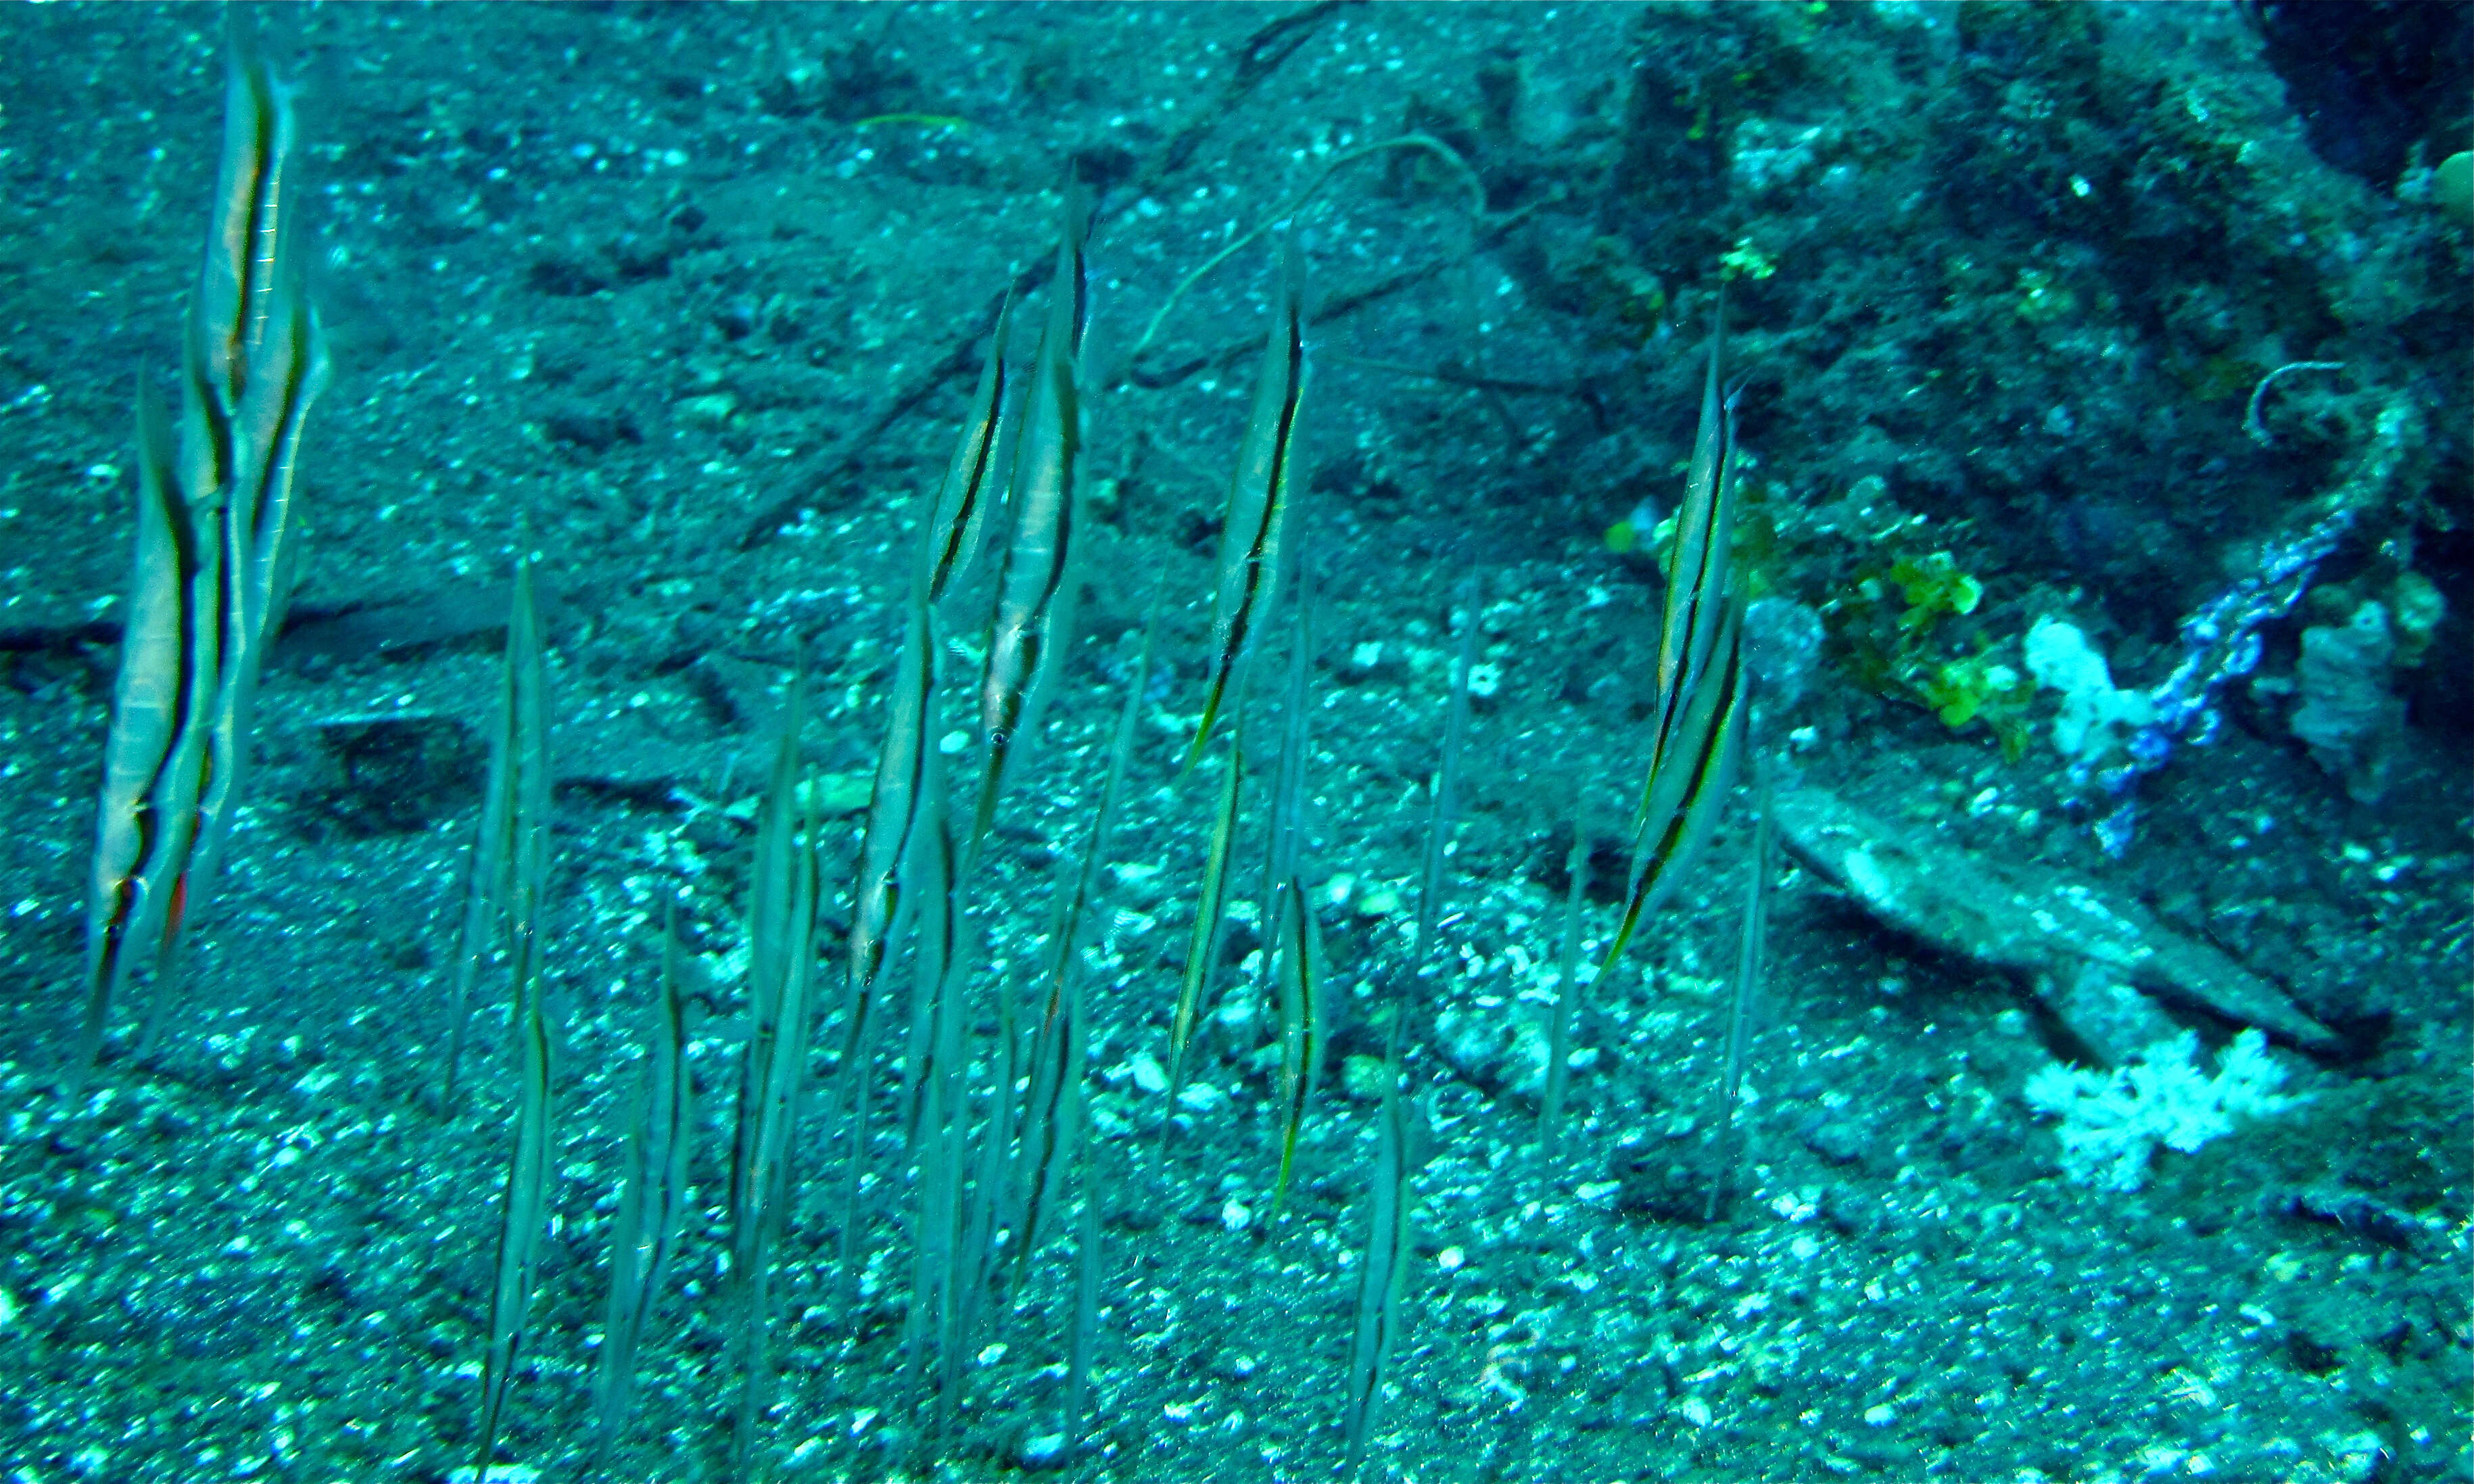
2112 1122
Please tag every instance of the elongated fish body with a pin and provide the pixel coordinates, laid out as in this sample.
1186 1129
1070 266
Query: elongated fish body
1699 568
1035 587
904 792
214 555
1211 907
1701 680
957 526
908 792
1690 787
255 361
1301 976
163 712
1256 521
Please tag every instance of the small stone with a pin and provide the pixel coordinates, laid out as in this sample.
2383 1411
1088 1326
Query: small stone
837 795
1361 1079
1837 1141
713 410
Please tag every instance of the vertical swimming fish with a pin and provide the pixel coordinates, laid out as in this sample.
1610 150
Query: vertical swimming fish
1698 567
1300 947
899 806
1210 908
978 1226
652 1204
1389 1239
905 808
214 555
937 965
1744 1002
897 817
519 765
781 933
1691 783
146 819
1700 677
939 1070
1292 937
958 522
1253 529
1035 588
1284 827
257 360
1058 1057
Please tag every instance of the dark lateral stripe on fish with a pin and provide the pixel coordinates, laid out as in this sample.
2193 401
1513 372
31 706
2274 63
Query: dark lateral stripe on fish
1253 528
903 792
140 848
958 523
306 370
291 367
1021 650
243 257
1301 950
1696 571
1211 908
1683 751
1033 600
212 555
1689 793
